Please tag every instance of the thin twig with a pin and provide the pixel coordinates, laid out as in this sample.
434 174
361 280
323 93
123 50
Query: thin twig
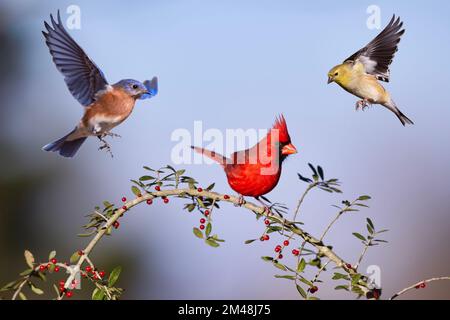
416 285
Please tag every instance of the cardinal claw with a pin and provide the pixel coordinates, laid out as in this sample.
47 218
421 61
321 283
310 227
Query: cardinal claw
241 201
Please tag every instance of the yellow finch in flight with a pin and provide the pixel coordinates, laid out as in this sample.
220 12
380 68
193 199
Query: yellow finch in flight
359 74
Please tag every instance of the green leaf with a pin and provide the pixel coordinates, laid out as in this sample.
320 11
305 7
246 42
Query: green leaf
249 241
197 232
356 278
26 272
285 277
146 178
313 298
320 171
267 258
364 198
359 236
338 276
208 229
301 291
370 223
29 258
212 243
51 255
136 191
74 258
341 287
22 296
307 282
210 187
36 290
279 266
369 228
98 294
301 266
114 276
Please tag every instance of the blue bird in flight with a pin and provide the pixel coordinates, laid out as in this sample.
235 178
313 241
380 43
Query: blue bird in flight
106 106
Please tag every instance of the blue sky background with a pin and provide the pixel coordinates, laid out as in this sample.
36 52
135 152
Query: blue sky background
237 64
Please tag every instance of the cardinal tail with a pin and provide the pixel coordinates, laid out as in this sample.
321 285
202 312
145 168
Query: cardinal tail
403 119
220 159
66 148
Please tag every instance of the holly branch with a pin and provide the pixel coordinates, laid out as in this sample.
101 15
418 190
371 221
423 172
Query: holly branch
165 183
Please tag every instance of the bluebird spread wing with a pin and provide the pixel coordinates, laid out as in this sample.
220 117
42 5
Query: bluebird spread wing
378 54
83 78
152 87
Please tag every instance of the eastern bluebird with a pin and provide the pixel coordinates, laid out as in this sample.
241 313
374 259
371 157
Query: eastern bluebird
106 106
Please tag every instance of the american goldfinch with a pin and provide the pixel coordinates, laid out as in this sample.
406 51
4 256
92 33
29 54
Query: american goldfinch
359 74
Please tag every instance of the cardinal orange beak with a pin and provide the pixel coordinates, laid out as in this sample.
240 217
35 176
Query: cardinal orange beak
288 149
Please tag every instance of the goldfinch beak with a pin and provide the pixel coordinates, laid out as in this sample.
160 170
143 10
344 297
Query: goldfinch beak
288 149
330 80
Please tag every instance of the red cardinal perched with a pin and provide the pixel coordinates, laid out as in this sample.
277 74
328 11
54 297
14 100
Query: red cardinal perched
256 171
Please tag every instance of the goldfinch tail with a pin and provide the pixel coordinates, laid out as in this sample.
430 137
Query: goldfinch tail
393 107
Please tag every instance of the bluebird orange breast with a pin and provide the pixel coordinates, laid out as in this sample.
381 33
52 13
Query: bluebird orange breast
114 105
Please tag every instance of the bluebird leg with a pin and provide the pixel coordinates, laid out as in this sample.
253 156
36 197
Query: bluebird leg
112 135
105 145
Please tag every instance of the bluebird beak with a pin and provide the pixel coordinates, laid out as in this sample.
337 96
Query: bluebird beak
330 79
288 149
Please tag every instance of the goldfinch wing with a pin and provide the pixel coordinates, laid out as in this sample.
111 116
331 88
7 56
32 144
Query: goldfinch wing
378 54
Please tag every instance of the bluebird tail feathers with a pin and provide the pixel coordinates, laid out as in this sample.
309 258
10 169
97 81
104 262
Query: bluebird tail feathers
65 148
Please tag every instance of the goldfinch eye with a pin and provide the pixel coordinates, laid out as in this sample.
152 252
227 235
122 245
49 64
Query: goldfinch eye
336 73
135 86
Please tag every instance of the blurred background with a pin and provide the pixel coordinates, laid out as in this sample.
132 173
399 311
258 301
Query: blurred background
230 64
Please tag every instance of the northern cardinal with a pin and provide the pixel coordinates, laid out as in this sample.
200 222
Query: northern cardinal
256 171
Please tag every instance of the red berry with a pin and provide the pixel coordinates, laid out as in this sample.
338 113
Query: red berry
166 200
124 208
423 285
69 294
80 252
62 289
206 213
54 261
313 289
158 188
62 283
202 227
95 277
226 197
199 189
88 269
124 199
42 267
149 201
280 256
349 266
266 237
277 248
56 269
267 222
116 224
286 243
202 220
295 252
101 274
